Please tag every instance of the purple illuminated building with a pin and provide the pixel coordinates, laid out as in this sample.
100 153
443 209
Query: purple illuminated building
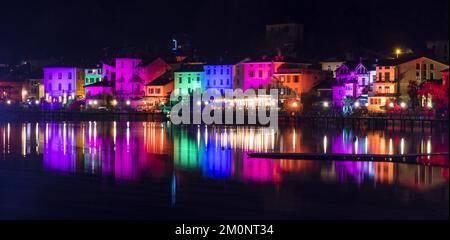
63 83
352 80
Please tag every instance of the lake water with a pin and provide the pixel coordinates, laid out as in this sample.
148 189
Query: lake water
136 170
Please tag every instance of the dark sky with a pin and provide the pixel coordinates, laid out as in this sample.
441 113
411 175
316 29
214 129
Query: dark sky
83 28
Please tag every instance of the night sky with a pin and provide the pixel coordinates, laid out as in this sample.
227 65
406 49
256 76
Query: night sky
81 29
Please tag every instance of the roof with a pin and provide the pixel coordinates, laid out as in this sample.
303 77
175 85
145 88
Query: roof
161 81
405 59
99 84
353 64
445 70
190 68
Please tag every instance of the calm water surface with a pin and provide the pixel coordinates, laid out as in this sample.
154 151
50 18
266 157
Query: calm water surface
135 170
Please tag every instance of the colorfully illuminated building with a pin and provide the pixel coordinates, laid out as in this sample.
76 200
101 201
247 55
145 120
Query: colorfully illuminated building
296 79
219 77
384 89
130 75
93 75
63 83
256 75
418 70
11 89
189 78
433 94
157 93
352 80
127 83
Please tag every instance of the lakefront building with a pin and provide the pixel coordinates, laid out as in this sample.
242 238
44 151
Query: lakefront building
354 81
417 70
219 77
256 75
296 79
189 78
384 90
157 93
127 83
63 83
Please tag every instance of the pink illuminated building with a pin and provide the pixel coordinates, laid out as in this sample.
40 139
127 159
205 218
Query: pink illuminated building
130 75
256 75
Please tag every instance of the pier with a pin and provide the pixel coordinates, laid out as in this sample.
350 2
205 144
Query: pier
395 158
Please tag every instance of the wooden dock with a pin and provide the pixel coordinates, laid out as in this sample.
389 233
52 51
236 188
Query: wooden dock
397 158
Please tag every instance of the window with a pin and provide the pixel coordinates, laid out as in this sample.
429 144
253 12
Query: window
152 90
59 75
251 74
387 76
431 76
70 86
49 86
380 77
288 79
431 66
180 80
418 66
260 73
158 91
221 71
228 82
189 79
69 75
208 72
221 82
198 79
296 79
60 87
50 76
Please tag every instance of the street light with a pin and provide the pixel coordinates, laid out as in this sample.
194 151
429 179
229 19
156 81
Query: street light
398 51
357 104
114 102
326 104
391 105
403 105
128 102
8 102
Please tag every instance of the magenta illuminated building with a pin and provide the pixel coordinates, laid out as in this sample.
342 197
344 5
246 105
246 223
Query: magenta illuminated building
255 75
130 75
352 80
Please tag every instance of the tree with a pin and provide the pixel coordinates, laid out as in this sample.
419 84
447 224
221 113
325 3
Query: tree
412 92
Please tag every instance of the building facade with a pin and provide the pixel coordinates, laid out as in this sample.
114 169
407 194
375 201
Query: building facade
63 83
354 82
157 93
93 75
384 89
189 78
256 75
220 77
418 70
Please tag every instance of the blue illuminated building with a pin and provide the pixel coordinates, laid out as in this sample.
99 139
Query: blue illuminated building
219 77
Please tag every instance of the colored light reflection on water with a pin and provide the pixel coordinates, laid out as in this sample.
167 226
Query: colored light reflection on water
130 151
